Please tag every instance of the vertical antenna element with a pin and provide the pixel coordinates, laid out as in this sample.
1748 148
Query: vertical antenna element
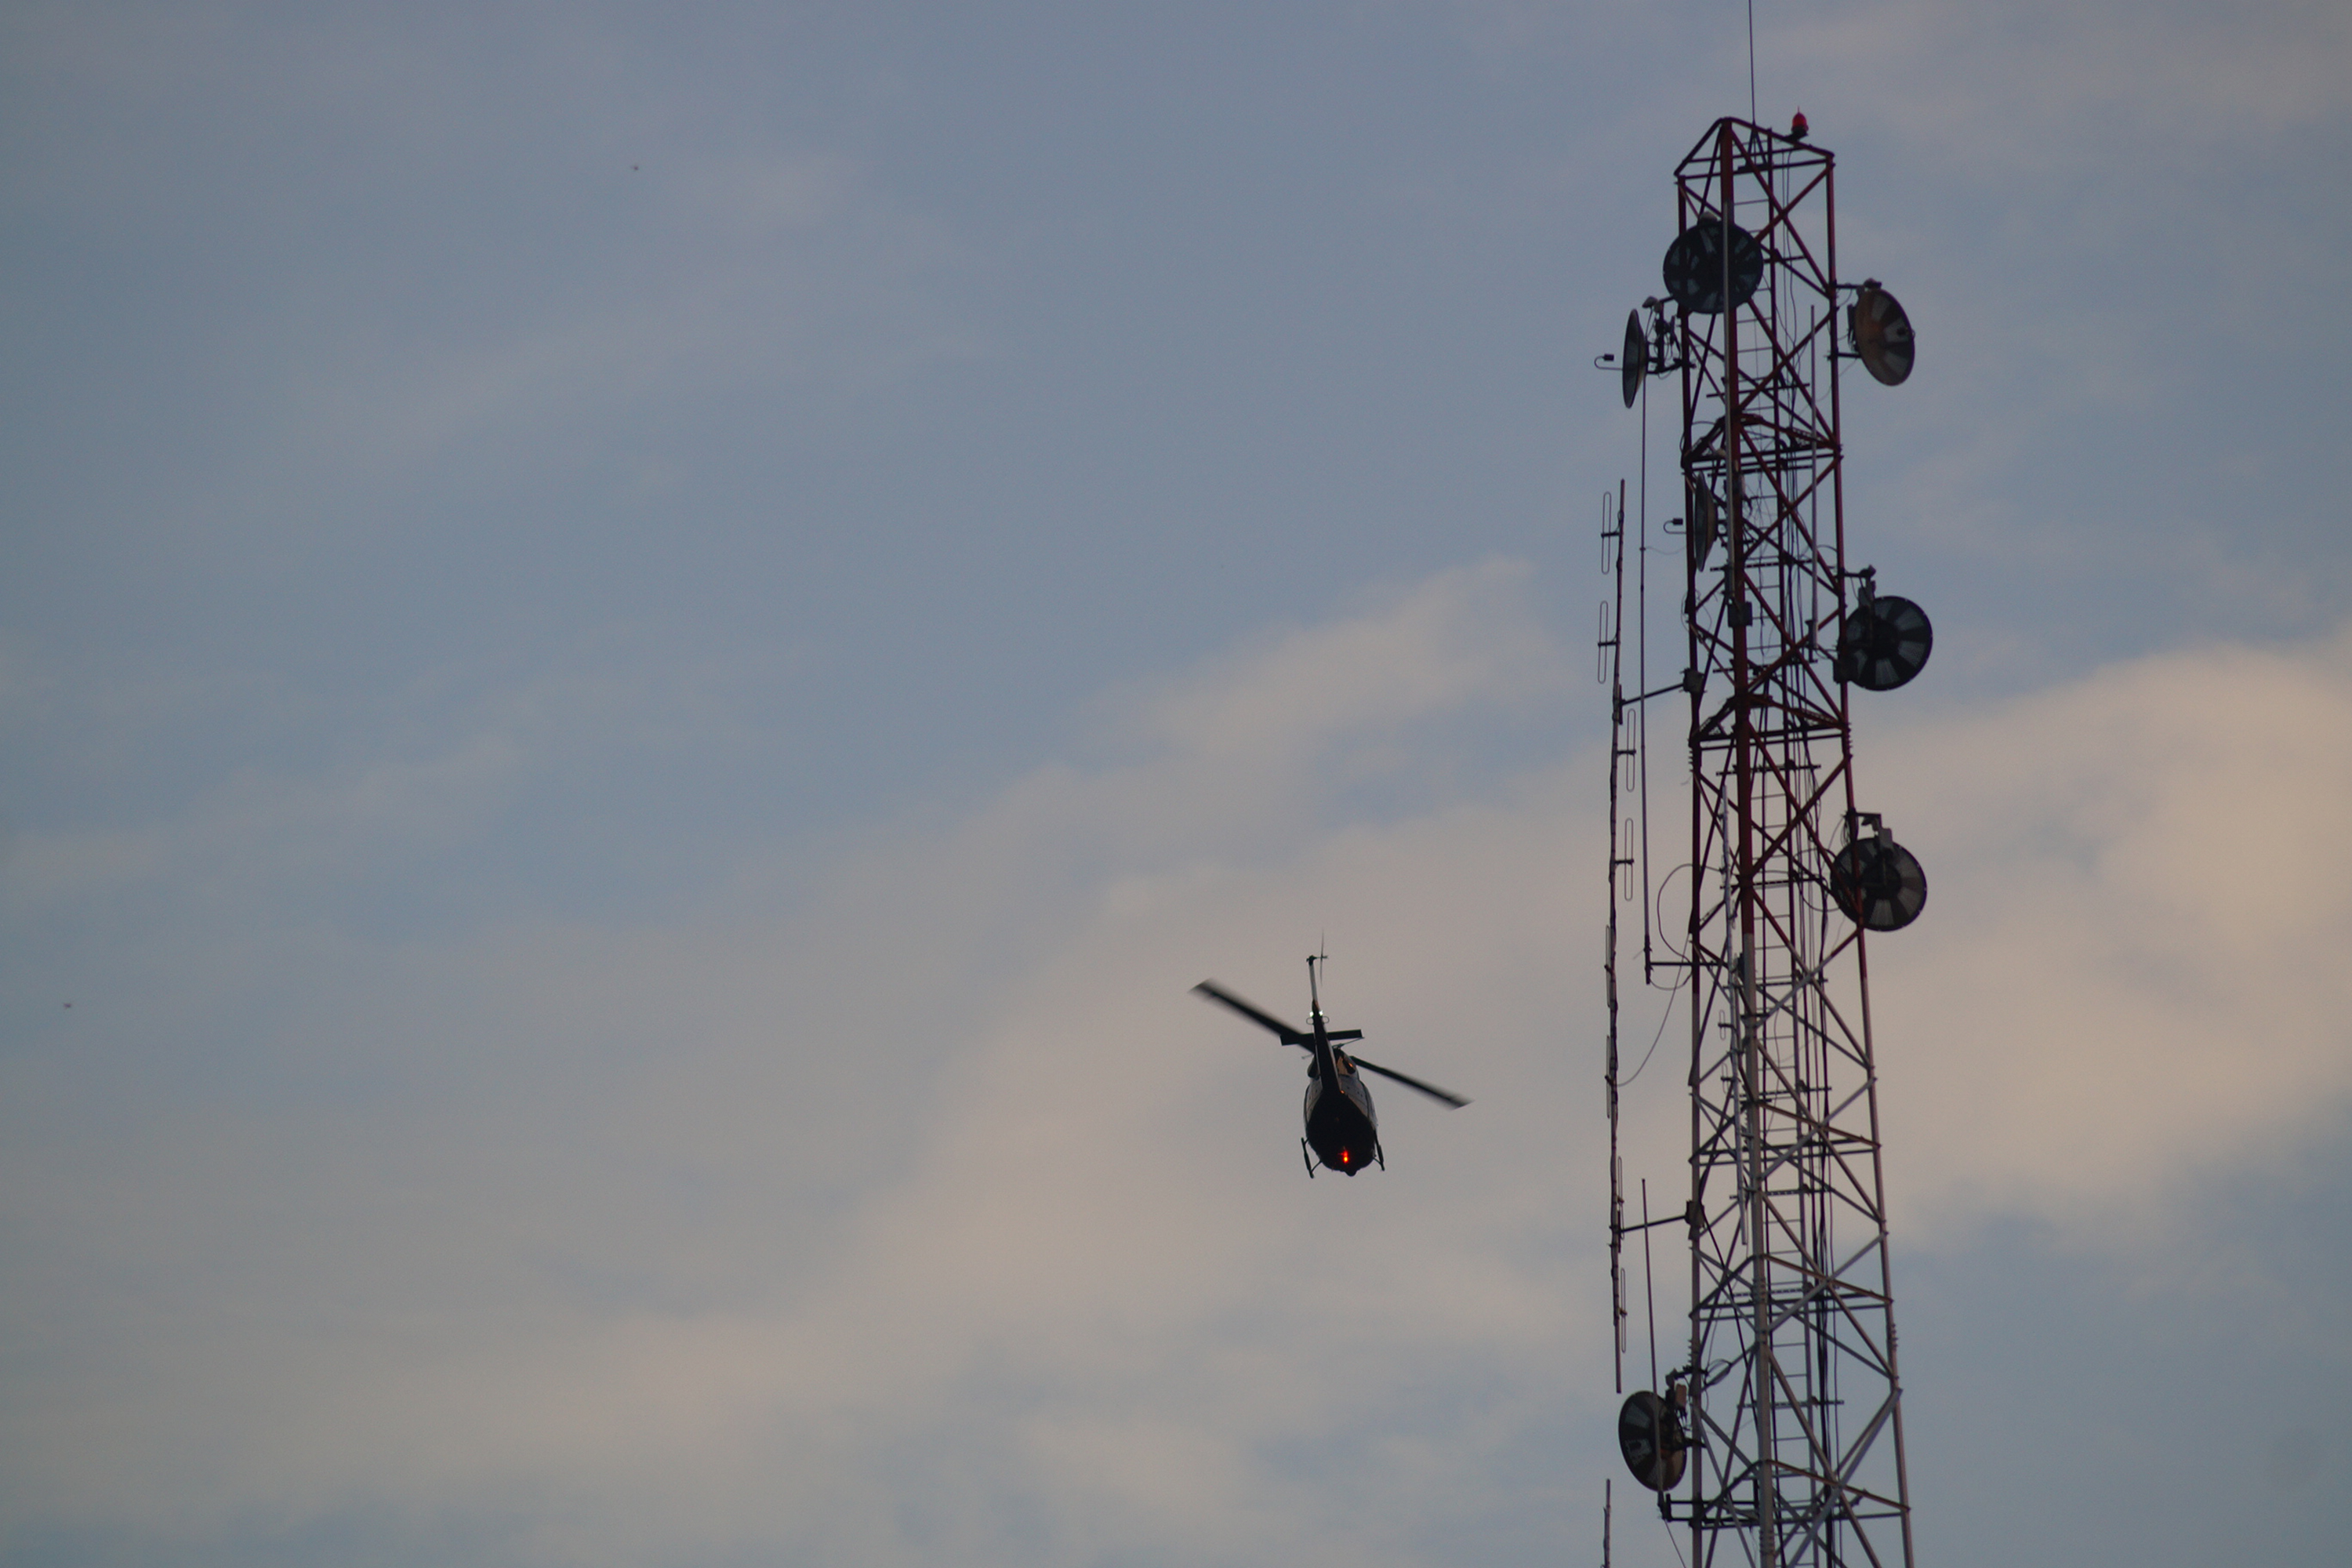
1751 59
1620 860
1649 1282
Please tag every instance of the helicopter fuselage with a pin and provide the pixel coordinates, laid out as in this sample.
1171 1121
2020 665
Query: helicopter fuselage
1342 1133
1341 1127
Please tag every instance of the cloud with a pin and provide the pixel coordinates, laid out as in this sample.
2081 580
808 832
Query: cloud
2128 982
919 1213
926 1213
2130 971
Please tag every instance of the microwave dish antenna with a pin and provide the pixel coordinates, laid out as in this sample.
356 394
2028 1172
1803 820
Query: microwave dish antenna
1701 261
1880 331
1878 883
1883 643
1634 360
1650 1435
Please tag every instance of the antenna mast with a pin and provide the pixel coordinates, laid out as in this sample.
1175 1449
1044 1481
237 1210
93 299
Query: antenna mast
1779 1443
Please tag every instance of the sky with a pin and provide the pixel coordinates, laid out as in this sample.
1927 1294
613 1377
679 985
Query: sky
643 649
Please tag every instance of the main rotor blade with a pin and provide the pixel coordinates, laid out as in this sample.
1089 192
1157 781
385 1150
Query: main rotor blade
1430 1089
1289 1036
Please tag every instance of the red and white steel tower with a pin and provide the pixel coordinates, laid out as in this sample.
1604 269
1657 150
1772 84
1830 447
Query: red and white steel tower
1780 1440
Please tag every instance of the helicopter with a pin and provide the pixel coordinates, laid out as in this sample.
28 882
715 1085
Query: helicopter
1341 1130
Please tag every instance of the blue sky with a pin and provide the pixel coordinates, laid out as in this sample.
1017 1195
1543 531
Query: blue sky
642 653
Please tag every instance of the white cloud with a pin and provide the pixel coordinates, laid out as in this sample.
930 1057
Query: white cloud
935 1218
2130 971
935 1208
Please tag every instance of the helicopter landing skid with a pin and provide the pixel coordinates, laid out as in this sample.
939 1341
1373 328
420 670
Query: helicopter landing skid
1308 1157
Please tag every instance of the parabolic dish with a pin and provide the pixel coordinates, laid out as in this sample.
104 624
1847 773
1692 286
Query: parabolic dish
1881 333
1634 359
1879 884
1698 522
1697 262
1650 1436
1883 644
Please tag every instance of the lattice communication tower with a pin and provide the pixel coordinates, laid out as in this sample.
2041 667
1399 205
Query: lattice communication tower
1779 1442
